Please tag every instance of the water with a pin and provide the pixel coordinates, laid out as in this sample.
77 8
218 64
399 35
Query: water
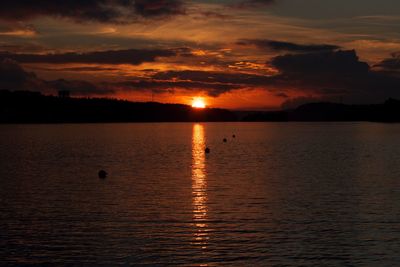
279 194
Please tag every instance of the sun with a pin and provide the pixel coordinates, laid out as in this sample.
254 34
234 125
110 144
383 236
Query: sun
198 102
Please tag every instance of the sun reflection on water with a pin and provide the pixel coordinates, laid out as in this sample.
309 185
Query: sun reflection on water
199 187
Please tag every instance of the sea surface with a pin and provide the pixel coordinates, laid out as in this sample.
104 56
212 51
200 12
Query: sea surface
279 194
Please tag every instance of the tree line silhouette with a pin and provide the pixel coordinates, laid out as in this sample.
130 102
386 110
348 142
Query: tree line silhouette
389 111
34 107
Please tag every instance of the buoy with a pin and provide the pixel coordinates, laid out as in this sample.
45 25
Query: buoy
207 150
102 174
224 140
233 136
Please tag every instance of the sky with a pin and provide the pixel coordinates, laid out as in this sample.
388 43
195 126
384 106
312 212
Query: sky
240 54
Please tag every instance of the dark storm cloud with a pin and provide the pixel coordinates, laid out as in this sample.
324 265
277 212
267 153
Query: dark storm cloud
114 11
326 72
131 56
287 46
334 75
323 63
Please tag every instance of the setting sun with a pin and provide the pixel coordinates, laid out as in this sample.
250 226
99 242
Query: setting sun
198 103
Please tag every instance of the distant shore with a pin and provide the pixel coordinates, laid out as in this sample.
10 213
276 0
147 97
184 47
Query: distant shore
34 107
325 111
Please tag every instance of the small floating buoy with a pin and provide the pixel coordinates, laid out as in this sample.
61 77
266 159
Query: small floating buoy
207 150
224 140
102 174
233 136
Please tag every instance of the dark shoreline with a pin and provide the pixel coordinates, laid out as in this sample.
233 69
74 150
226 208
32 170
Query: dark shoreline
388 112
25 107
35 108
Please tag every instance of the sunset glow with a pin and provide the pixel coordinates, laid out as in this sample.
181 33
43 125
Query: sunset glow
239 54
198 103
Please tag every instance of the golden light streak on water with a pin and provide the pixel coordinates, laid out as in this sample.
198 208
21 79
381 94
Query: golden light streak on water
199 187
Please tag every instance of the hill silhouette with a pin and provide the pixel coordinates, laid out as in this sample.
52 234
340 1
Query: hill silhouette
33 107
325 111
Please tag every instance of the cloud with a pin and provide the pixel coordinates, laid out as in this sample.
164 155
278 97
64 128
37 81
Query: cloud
105 11
211 89
157 8
81 69
235 78
266 44
13 77
331 63
213 83
281 94
253 3
390 64
317 76
21 48
334 75
81 88
19 30
321 75
131 56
